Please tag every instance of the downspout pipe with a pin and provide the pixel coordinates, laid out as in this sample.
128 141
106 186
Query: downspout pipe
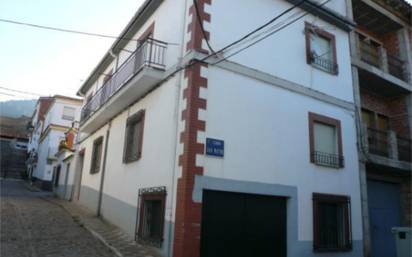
106 143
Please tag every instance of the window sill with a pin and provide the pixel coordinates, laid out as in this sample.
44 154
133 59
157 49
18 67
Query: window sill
327 250
130 160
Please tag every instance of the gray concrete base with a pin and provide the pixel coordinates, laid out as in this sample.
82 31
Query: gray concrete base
295 248
120 214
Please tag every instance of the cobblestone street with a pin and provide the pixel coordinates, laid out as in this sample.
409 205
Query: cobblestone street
32 226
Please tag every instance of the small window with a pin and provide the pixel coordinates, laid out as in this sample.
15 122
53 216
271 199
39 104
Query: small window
325 141
68 113
134 137
152 213
107 76
331 223
321 49
96 155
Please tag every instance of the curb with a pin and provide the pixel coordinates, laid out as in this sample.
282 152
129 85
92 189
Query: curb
80 221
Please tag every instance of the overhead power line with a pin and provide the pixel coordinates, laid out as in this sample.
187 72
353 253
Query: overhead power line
268 35
65 30
199 19
21 92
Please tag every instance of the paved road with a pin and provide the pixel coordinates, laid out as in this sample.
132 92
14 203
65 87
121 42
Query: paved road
34 227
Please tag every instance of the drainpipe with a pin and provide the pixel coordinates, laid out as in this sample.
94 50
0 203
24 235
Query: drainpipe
176 135
106 143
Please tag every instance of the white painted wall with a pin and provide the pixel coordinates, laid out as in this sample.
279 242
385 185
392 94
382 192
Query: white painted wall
55 112
284 53
48 147
168 27
266 136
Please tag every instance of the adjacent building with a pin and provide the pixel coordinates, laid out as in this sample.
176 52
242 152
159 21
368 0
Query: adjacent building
13 146
63 173
381 70
51 119
198 147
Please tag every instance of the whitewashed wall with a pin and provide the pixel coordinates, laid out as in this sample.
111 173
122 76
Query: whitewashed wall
265 129
284 53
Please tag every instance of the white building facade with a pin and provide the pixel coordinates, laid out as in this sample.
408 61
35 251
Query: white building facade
243 154
59 116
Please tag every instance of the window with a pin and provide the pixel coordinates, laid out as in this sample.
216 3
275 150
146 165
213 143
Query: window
321 49
134 137
96 155
68 113
152 213
331 223
325 141
107 76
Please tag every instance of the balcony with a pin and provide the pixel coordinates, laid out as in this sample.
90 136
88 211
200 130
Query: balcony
135 77
377 57
388 148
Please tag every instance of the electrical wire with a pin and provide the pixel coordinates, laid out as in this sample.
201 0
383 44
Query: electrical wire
266 36
64 30
71 31
21 92
193 62
199 20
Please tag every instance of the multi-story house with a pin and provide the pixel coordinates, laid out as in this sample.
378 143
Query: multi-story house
226 152
36 127
61 113
382 68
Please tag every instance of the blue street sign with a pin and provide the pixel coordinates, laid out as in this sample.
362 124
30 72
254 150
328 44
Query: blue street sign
215 147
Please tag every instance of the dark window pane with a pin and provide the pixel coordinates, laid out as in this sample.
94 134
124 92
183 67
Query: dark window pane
153 219
331 225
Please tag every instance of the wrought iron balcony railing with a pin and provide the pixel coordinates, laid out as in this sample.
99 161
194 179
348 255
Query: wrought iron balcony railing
397 67
376 56
404 149
378 142
151 53
324 63
370 54
328 159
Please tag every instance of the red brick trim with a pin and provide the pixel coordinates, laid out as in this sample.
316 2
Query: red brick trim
195 42
188 213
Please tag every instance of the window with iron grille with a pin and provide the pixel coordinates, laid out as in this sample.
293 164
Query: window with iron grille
325 141
96 155
152 213
321 49
331 223
134 137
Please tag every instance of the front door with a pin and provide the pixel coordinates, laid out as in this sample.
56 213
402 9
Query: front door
384 213
235 224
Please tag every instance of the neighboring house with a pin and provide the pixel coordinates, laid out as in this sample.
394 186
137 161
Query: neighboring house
36 127
60 115
381 69
251 156
63 174
13 146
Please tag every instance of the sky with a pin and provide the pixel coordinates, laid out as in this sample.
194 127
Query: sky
45 62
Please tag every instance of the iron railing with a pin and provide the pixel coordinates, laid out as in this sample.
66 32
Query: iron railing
370 54
328 159
396 67
404 149
151 53
378 142
324 63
